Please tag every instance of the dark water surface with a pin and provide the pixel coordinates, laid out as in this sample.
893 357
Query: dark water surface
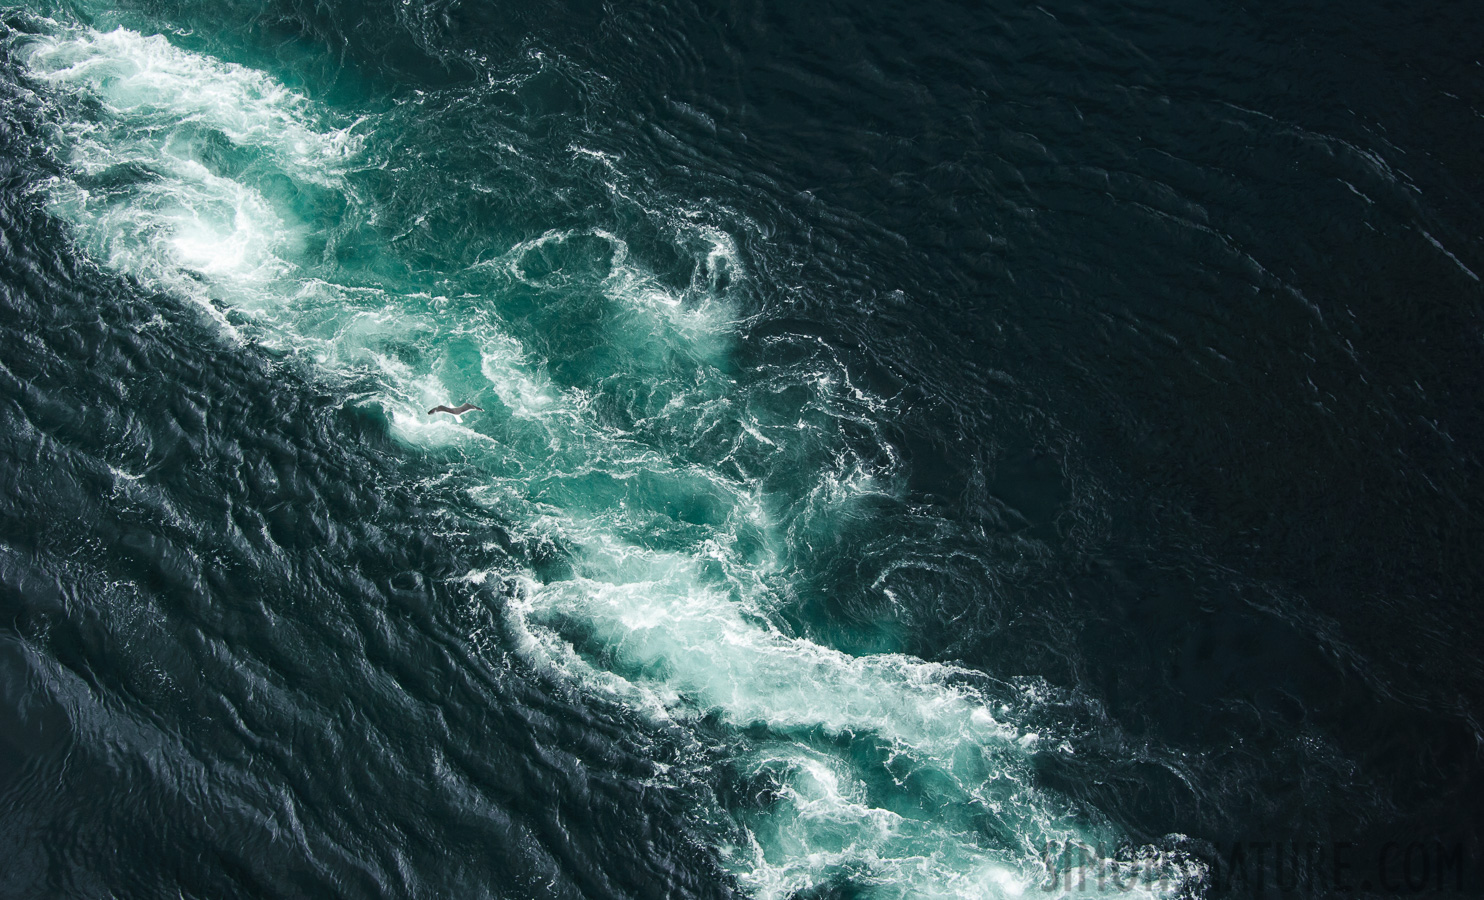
915 436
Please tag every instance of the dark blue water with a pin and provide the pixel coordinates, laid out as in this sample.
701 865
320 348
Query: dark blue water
926 450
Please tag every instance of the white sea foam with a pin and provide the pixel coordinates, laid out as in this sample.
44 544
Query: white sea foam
880 769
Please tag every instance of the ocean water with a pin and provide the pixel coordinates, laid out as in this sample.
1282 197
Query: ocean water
924 450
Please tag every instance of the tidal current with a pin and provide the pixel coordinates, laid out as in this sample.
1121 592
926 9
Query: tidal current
891 475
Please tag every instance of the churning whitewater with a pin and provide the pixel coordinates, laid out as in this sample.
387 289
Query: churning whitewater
622 447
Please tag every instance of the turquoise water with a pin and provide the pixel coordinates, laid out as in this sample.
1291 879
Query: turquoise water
680 491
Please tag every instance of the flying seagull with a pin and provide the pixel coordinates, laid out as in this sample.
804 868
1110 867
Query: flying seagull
458 411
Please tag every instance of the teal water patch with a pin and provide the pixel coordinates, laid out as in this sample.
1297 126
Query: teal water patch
616 429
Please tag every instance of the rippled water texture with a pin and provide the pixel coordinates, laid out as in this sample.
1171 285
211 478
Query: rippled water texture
913 444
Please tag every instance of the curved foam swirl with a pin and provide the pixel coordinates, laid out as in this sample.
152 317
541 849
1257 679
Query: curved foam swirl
216 182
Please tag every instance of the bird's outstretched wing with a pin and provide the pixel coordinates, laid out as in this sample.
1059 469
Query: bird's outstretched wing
457 412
